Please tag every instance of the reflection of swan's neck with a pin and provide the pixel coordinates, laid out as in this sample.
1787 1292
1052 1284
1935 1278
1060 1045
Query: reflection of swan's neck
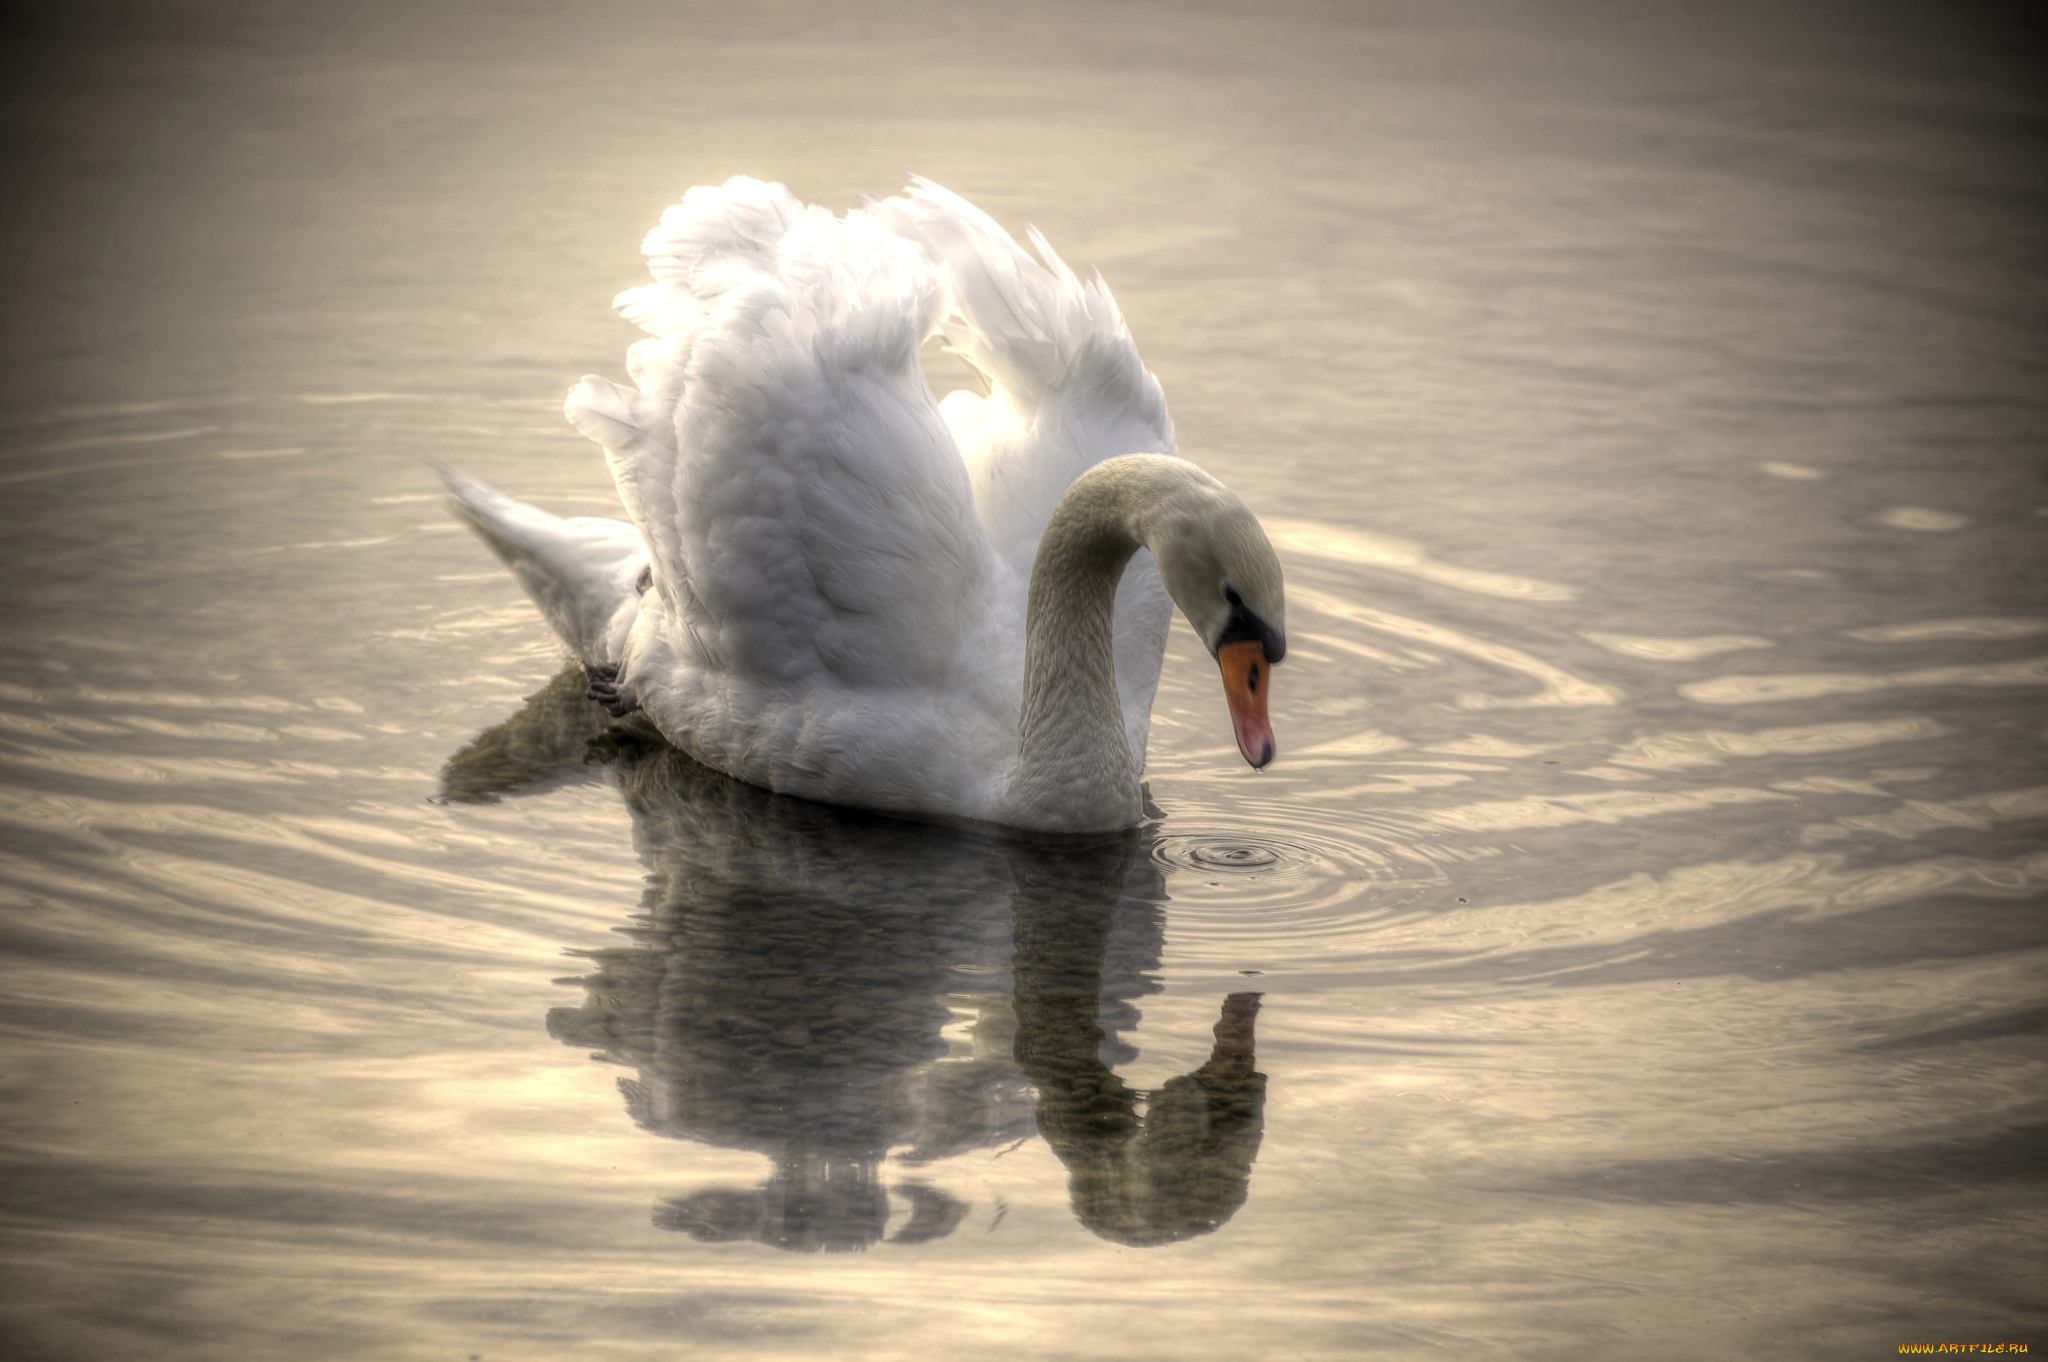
1184 1166
1075 771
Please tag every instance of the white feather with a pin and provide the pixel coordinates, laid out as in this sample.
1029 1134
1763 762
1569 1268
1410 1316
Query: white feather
583 573
841 562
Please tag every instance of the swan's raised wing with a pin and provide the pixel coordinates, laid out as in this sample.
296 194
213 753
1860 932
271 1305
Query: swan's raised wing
1066 391
714 236
808 510
1066 387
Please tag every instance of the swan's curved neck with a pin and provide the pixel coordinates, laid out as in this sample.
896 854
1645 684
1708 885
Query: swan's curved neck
1075 771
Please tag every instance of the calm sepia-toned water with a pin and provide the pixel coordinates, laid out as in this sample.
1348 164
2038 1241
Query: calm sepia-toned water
1638 949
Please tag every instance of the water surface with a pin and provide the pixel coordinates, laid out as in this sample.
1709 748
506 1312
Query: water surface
1637 949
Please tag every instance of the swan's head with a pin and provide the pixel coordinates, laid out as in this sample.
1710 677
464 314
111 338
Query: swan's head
1223 574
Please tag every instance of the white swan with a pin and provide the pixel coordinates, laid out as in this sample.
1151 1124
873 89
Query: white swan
839 588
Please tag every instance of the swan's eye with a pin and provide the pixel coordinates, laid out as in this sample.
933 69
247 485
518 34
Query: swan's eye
1253 683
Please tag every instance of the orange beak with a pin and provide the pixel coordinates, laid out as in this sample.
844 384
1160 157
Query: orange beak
1246 677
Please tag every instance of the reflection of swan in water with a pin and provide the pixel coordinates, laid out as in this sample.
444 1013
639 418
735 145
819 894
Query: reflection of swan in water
1181 1169
793 980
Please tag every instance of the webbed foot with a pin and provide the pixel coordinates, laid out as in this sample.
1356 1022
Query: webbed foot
608 690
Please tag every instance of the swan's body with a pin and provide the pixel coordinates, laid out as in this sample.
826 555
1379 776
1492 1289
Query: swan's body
837 587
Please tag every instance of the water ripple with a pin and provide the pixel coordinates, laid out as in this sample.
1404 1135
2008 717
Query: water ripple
1558 687
1676 649
1282 881
1961 626
1753 690
1338 545
1676 751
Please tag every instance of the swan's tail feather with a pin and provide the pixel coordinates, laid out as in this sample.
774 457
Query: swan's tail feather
585 574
